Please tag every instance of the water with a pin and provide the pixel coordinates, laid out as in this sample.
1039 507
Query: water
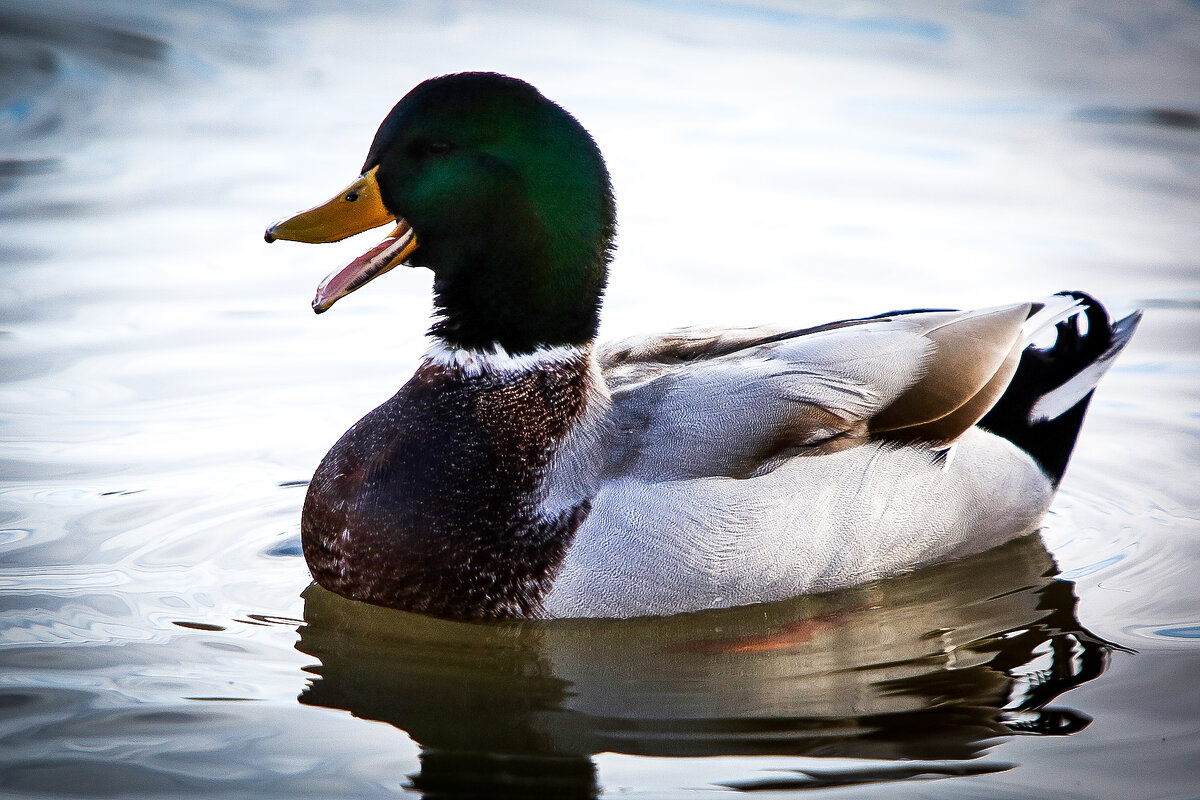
166 391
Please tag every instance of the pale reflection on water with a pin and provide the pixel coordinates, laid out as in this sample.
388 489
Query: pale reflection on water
166 391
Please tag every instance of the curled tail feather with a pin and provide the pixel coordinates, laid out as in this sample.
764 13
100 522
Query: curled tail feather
1043 408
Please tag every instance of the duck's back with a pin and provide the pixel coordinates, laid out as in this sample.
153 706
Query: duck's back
754 465
742 465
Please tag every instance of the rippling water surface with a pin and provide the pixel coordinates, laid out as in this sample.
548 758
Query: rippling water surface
166 392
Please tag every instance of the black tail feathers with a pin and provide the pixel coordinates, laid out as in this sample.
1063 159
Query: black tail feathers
1043 408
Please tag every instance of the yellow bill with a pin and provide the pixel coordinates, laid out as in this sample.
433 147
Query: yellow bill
359 207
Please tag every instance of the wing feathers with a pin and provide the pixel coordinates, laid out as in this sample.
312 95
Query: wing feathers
963 418
973 357
739 402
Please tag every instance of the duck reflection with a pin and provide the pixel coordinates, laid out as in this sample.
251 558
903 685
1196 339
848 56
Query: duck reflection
935 665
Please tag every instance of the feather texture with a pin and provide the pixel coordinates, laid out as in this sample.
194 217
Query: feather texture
756 464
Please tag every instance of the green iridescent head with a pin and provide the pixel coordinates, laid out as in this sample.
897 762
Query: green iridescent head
501 193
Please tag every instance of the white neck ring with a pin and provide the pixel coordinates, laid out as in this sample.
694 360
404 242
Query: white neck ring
498 360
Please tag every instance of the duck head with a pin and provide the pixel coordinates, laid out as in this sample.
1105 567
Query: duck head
497 190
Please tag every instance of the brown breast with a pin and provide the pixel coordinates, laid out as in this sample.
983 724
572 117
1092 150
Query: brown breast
429 503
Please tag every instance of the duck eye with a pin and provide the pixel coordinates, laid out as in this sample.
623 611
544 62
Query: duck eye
351 196
438 147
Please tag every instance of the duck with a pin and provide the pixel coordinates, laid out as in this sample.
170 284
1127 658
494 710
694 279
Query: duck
525 471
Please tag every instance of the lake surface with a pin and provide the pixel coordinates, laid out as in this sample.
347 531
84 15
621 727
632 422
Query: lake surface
166 392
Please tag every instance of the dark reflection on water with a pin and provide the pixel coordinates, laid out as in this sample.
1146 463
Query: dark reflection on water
1165 117
935 666
70 31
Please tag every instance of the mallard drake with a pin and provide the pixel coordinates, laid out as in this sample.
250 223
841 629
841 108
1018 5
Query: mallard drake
524 471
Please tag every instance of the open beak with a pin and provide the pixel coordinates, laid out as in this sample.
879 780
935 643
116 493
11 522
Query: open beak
357 208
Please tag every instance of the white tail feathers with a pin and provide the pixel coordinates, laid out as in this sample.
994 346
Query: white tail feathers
1062 399
1054 309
